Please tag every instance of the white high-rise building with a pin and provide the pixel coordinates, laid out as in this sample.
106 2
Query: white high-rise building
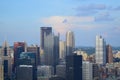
100 55
87 68
62 49
70 42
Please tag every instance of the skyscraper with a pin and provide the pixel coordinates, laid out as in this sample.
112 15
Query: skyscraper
56 51
19 47
74 67
48 50
109 54
70 43
49 47
44 32
100 55
6 60
62 49
35 49
51 50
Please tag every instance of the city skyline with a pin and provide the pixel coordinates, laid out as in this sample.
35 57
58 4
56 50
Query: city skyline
21 20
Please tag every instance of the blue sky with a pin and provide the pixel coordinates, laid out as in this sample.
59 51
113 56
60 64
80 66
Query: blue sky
20 20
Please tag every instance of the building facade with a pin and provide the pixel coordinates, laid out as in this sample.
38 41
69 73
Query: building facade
19 47
6 52
61 71
51 50
100 55
74 67
44 72
44 31
70 43
87 70
25 72
62 50
109 54
35 49
1 70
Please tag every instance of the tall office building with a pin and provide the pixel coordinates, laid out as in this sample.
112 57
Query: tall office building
74 67
87 70
51 50
6 60
70 43
48 50
35 49
56 50
44 32
19 47
62 50
109 54
100 55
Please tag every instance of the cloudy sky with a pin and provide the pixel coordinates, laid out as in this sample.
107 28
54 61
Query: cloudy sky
20 20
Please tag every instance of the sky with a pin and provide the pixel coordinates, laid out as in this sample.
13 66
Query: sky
20 20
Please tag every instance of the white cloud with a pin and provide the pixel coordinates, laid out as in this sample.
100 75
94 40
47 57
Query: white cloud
64 23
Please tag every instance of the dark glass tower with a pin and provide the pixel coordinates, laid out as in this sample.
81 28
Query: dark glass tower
44 31
74 67
56 52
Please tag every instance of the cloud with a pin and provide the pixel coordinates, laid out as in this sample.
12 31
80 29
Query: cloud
104 17
115 8
90 9
64 23
111 8
86 13
117 29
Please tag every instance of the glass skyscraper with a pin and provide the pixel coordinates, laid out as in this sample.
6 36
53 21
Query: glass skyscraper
100 55
74 67
44 32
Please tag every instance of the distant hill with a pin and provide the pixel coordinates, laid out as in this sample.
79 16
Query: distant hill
91 50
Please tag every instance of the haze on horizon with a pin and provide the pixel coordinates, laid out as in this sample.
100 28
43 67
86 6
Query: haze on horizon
20 20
